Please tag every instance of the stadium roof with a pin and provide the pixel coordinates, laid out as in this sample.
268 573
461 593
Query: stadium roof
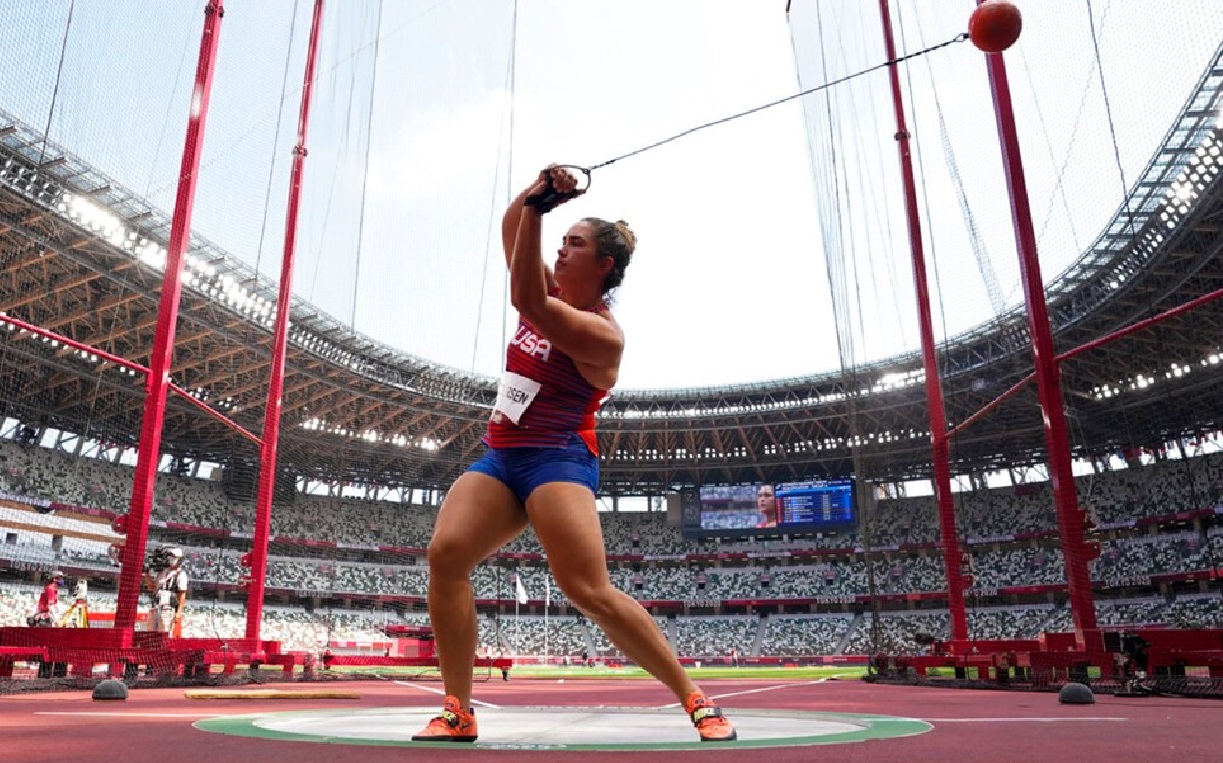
83 256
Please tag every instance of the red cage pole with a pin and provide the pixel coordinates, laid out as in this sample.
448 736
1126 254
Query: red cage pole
1048 371
939 436
158 380
280 336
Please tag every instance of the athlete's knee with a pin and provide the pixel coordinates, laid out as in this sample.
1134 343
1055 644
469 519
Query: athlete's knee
592 597
450 557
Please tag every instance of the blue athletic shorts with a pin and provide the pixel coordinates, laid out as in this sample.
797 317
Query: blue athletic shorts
524 469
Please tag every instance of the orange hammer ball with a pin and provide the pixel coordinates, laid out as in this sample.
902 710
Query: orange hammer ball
994 26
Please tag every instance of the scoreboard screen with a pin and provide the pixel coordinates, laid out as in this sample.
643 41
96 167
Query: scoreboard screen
793 508
818 503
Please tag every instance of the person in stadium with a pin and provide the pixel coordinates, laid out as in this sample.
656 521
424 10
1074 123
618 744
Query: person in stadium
541 466
46 613
167 583
766 504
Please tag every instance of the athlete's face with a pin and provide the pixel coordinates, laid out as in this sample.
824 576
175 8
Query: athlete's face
765 498
578 261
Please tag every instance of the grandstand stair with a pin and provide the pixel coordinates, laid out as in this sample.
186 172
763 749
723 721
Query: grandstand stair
587 639
758 641
849 632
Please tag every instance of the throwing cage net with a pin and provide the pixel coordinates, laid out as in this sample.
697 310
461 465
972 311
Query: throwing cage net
1115 194
334 552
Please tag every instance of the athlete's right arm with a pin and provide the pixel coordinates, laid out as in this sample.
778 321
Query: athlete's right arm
509 233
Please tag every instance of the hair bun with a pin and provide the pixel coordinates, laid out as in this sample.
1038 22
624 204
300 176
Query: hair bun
630 238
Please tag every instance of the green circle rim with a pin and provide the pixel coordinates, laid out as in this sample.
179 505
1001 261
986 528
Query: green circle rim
873 727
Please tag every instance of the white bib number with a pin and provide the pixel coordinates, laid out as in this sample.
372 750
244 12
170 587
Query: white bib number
514 395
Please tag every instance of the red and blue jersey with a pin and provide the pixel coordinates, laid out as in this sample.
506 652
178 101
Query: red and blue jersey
564 406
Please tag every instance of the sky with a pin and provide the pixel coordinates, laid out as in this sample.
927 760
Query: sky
757 237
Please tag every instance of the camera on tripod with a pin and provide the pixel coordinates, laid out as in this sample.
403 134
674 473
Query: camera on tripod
163 557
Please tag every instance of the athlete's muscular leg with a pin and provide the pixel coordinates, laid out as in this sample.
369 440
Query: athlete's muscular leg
567 523
479 516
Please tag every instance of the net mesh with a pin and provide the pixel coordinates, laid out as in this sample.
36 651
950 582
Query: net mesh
1078 185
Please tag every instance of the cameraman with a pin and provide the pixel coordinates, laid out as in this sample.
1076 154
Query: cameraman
167 583
47 611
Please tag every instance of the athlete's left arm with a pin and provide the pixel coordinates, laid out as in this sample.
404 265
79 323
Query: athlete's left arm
589 338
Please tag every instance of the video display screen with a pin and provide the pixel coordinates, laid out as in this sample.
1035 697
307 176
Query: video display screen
790 507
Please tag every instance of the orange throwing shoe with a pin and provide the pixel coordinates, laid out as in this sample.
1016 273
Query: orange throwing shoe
708 719
454 725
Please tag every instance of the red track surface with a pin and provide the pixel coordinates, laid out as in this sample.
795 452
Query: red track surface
47 727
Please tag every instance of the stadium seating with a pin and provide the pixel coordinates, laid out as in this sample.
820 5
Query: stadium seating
341 569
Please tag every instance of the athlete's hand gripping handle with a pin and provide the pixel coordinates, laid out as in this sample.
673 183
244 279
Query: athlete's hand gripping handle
556 185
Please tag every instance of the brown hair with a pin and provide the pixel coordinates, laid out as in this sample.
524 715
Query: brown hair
615 240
